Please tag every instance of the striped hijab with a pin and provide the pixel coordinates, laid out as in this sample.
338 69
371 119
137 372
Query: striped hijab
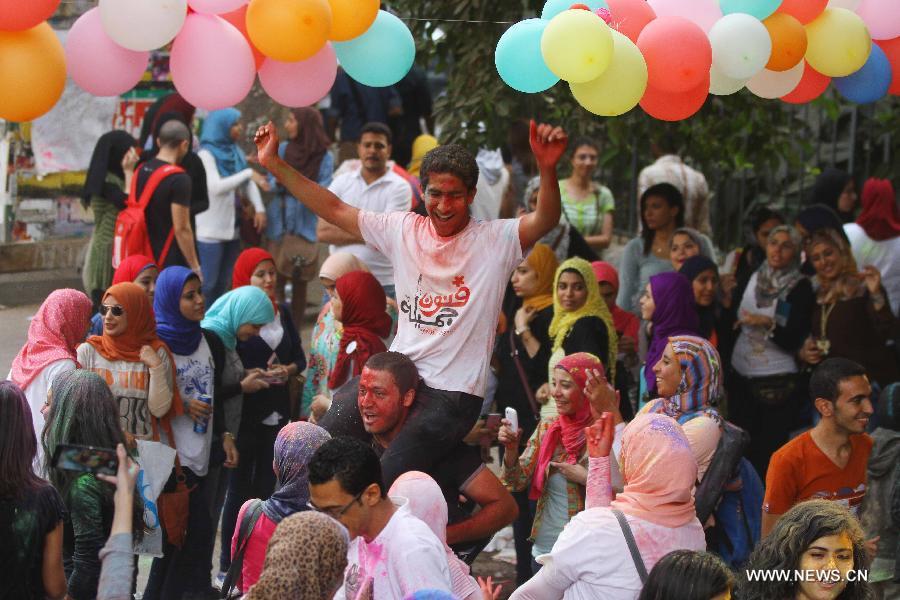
701 380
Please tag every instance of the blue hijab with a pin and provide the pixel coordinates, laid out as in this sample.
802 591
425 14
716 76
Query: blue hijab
181 335
216 138
247 304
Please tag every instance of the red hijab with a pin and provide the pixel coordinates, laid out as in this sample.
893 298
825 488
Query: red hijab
246 264
625 322
131 268
365 323
879 216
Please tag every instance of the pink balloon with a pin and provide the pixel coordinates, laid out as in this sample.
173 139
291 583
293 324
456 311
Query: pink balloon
216 7
96 63
302 83
882 17
680 67
704 13
212 64
629 17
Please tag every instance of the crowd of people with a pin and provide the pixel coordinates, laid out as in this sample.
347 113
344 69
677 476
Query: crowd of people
672 428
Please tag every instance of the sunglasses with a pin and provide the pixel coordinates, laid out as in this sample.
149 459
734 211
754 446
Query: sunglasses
117 311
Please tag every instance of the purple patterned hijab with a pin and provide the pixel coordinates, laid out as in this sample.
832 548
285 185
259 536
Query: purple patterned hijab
294 447
675 314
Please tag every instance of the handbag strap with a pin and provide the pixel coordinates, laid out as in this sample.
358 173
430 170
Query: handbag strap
632 545
167 427
523 378
251 516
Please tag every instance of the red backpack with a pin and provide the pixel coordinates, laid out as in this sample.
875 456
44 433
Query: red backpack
131 235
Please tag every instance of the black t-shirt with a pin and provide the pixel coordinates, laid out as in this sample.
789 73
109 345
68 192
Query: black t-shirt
174 189
24 524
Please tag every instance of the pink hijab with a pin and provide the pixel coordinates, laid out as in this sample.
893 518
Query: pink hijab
54 333
659 471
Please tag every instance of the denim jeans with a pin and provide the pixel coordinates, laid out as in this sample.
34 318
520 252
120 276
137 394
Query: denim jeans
217 262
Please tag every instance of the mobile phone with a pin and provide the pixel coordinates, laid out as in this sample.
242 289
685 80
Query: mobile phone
513 417
86 459
493 421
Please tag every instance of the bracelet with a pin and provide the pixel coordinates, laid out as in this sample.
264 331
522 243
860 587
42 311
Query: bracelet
521 332
229 434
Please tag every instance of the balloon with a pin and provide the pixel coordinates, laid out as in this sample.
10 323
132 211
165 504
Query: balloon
577 46
848 4
703 13
381 56
677 52
300 83
892 51
351 18
32 72
518 58
882 17
811 86
554 7
289 30
802 10
741 45
760 9
142 24
723 85
870 83
667 106
238 18
19 15
788 41
839 43
97 64
630 16
216 7
211 63
774 84
620 87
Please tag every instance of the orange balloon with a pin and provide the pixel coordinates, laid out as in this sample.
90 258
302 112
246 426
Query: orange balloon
668 106
788 41
289 30
238 18
892 50
803 10
351 18
32 72
812 85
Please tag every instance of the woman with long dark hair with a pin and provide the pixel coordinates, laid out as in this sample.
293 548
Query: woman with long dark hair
688 575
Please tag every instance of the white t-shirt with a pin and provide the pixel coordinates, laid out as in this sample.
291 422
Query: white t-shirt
388 194
404 558
883 255
449 291
194 376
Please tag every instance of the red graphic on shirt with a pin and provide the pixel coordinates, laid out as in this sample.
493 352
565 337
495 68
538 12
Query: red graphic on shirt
436 310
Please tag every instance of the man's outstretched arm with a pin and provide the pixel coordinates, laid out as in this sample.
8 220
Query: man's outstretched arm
318 199
548 144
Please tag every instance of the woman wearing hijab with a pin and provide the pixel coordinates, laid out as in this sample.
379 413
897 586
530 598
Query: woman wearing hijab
138 269
228 178
836 190
172 104
294 447
591 558
134 361
191 163
53 336
773 314
421 146
291 228
106 188
687 242
715 324
305 559
426 502
627 326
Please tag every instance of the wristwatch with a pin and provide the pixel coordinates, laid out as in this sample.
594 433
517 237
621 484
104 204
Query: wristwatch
519 332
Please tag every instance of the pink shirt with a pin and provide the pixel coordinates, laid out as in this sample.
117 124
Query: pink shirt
255 554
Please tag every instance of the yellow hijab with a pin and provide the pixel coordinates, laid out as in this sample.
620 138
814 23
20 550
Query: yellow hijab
422 145
543 260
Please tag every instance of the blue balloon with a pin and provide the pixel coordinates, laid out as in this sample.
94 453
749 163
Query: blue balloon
518 58
554 7
761 9
381 56
870 83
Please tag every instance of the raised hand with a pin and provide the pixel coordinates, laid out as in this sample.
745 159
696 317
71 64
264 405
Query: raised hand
872 278
149 357
266 140
600 393
600 436
488 591
548 144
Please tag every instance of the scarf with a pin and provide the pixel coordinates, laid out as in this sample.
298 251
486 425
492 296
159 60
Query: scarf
879 217
132 267
692 268
53 334
181 335
305 559
827 190
338 264
594 306
426 502
659 471
625 322
238 307
172 104
107 158
294 447
675 314
244 267
567 430
216 138
701 381
543 261
772 284
421 146
306 151
365 324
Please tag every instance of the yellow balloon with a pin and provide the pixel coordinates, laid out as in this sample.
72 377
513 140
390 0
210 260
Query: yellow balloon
577 46
289 30
620 87
32 72
351 18
838 43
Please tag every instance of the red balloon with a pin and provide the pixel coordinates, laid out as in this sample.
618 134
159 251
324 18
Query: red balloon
19 15
629 17
668 106
812 85
677 52
238 18
580 7
803 10
892 50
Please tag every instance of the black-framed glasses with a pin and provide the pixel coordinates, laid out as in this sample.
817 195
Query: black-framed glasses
117 311
335 512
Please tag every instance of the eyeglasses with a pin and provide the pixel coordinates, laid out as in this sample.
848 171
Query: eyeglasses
117 311
438 194
335 512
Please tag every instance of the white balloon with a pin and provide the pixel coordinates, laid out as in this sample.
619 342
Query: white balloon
723 85
741 45
848 4
142 24
775 84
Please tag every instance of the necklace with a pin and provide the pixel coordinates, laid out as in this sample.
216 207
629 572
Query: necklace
823 343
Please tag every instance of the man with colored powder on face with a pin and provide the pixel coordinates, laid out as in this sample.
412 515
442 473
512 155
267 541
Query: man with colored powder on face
450 273
392 554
